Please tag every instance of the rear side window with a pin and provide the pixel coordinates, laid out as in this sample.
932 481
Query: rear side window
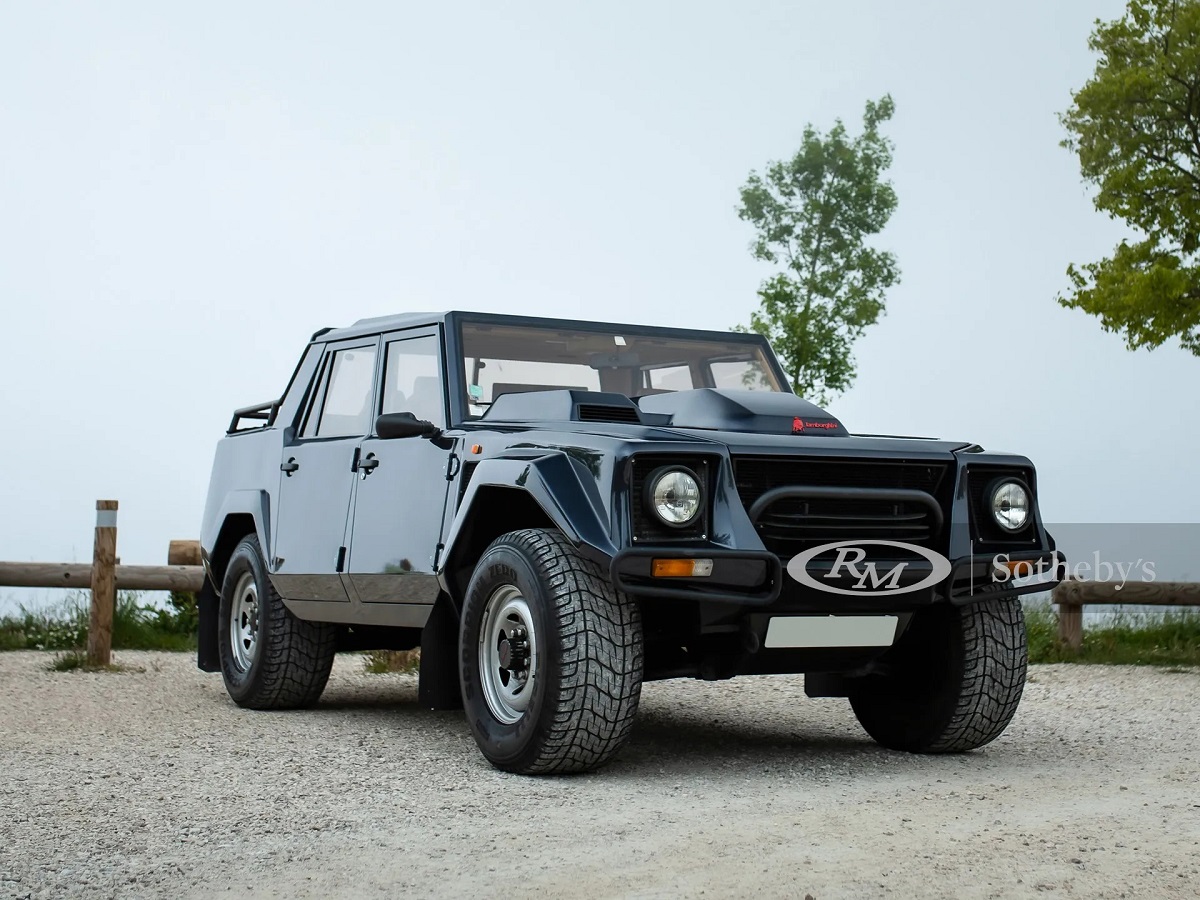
295 399
742 374
346 410
667 378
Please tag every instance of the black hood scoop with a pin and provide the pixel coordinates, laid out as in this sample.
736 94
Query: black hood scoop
755 412
758 412
564 405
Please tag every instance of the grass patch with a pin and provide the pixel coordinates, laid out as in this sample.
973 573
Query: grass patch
136 625
380 662
1158 638
76 661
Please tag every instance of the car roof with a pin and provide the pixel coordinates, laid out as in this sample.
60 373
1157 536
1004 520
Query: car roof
380 324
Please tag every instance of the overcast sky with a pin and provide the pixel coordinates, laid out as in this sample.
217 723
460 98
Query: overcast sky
188 191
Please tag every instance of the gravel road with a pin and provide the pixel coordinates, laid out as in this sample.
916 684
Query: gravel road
151 783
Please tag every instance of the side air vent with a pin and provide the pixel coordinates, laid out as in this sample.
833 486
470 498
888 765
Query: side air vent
593 412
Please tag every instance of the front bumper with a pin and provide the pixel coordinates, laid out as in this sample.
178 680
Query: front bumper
759 579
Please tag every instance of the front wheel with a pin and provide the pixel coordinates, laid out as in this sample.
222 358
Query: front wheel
551 657
952 682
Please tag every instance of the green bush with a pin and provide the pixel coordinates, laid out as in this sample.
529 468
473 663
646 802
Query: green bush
1158 638
62 627
1041 625
140 627
136 626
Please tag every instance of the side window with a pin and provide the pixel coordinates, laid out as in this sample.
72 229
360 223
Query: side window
346 410
668 378
745 375
412 380
294 398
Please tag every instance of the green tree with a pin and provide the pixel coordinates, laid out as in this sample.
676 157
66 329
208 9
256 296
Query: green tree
1136 128
813 215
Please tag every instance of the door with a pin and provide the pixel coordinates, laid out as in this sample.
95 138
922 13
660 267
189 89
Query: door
316 480
401 487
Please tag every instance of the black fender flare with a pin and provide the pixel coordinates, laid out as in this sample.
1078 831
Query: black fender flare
221 534
565 494
253 503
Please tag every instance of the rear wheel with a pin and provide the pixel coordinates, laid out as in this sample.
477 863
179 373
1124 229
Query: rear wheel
551 657
269 658
953 680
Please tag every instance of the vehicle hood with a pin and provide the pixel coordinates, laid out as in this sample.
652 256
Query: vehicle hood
744 421
740 443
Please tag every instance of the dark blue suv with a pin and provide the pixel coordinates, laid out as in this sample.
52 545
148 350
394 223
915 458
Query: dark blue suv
555 511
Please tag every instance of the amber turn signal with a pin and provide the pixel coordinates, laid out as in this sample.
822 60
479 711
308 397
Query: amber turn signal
1018 567
681 568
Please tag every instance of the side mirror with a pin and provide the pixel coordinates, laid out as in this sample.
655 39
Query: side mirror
404 424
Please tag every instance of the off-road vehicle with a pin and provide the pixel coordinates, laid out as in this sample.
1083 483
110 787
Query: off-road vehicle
556 511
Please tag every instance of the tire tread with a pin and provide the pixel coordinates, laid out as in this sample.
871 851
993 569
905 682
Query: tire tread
599 632
996 659
296 655
980 694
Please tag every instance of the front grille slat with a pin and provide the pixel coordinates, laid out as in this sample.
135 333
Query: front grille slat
829 527
805 518
791 525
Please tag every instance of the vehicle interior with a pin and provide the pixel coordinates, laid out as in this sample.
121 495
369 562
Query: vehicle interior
500 359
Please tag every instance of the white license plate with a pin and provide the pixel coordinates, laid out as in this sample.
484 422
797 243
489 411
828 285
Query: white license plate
831 631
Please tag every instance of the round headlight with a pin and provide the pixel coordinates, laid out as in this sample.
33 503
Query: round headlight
674 497
1010 505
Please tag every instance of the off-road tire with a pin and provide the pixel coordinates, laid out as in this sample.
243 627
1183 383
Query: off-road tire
293 658
587 670
953 680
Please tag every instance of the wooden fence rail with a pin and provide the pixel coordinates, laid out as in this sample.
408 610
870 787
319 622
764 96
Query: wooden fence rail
79 575
1071 596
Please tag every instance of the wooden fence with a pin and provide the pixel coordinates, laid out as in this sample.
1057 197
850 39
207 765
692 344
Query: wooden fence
104 577
1071 596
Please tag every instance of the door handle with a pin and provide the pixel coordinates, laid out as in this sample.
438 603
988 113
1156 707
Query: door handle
367 464
289 467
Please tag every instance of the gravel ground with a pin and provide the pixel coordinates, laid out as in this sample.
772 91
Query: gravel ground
152 783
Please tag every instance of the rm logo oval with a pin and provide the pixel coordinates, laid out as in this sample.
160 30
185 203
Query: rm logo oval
851 563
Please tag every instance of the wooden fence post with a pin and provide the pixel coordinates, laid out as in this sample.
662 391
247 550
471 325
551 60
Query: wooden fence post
104 584
1070 617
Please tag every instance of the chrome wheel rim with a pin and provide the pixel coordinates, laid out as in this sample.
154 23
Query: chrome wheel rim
508 654
244 623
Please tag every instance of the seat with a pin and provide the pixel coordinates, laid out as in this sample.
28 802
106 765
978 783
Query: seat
425 400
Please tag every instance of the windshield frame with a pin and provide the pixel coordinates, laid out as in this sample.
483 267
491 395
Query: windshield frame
455 365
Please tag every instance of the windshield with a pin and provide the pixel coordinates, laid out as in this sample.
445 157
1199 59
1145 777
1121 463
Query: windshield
501 359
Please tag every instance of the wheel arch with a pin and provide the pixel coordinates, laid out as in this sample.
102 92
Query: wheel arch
507 494
235 526
496 510
241 513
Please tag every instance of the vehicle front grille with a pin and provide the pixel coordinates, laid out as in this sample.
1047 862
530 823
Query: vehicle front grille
791 525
